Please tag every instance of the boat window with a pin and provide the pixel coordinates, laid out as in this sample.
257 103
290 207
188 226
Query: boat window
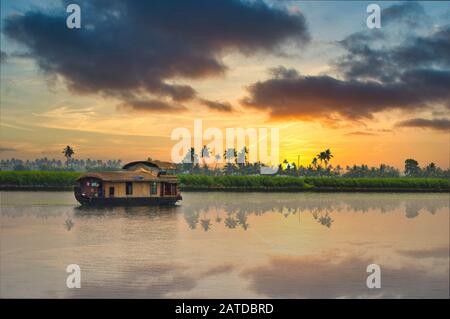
153 189
129 188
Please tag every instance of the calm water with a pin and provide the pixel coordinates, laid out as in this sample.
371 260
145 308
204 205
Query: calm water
214 245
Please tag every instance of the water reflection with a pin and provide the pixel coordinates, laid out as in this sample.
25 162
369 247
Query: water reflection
280 276
224 245
69 224
202 211
325 211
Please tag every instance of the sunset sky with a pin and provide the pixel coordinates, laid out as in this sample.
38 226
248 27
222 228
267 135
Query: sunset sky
117 87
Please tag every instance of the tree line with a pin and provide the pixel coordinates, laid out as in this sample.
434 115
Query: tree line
236 163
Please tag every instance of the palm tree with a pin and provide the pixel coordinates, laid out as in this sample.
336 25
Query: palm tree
217 158
328 156
242 156
325 156
314 162
192 155
229 154
205 153
411 167
68 152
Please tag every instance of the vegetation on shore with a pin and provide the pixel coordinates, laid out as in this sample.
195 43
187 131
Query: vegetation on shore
37 179
288 183
235 163
64 180
237 174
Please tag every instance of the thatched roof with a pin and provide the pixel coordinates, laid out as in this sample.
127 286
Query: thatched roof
152 164
141 175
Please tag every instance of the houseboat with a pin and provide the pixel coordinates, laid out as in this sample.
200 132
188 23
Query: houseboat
138 183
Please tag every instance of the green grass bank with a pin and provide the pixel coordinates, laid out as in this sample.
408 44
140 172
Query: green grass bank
48 180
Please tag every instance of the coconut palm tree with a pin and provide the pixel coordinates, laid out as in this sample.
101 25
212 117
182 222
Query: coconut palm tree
242 156
229 154
205 153
327 156
314 162
68 152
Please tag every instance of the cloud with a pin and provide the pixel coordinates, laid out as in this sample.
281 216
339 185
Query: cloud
217 106
360 133
363 60
3 56
7 149
435 124
410 13
378 72
306 97
144 47
150 105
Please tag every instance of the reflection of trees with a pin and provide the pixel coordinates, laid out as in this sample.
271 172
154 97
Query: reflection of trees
323 207
322 217
411 211
206 224
230 222
242 219
234 209
69 224
326 220
192 219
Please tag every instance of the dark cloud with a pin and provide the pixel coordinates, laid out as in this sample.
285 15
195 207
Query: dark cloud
217 106
3 56
324 96
376 73
363 61
361 133
150 105
383 55
7 149
144 46
436 124
410 13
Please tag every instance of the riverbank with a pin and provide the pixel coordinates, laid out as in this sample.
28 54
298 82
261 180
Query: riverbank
63 181
317 184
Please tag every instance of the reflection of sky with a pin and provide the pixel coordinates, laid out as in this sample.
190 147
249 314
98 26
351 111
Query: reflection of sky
283 252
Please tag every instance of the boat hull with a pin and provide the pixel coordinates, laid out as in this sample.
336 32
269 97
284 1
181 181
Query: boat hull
126 201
